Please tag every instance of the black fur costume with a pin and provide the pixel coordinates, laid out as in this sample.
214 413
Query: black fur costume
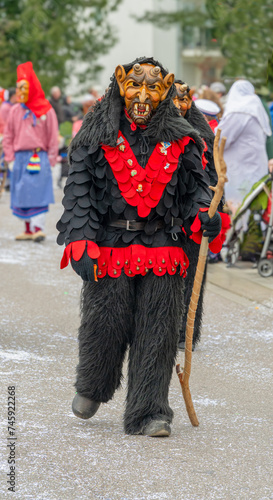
142 312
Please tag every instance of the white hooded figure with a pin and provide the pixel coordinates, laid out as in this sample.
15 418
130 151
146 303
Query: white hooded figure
246 126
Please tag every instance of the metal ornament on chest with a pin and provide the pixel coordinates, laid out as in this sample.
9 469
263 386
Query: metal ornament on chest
165 146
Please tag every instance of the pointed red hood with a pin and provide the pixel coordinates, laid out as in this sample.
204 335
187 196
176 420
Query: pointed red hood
37 102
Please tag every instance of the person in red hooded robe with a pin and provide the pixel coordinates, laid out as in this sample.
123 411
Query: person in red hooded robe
30 146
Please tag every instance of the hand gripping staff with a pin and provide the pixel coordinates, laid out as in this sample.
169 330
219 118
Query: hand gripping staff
184 374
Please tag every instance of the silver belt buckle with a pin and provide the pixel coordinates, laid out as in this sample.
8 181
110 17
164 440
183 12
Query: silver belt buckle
128 225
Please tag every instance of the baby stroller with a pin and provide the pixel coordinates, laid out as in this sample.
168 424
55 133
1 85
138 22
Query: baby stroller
259 202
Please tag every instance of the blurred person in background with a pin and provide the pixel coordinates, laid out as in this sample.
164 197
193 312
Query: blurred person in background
31 146
56 103
210 111
87 101
93 91
220 89
4 114
3 98
246 126
6 105
69 110
206 93
263 93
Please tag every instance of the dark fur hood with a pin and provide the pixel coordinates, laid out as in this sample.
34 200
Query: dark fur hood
198 122
101 123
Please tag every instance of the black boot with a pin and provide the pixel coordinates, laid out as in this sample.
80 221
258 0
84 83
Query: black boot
83 407
157 428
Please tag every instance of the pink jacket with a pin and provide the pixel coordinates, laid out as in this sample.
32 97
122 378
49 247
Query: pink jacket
20 134
5 109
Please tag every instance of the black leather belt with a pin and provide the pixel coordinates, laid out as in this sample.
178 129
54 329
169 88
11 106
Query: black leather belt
132 225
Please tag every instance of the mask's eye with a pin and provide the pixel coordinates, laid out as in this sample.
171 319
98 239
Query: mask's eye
133 84
154 87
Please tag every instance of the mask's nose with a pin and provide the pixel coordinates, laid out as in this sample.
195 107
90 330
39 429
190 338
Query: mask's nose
143 94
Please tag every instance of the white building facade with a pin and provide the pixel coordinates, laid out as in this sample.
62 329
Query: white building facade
190 54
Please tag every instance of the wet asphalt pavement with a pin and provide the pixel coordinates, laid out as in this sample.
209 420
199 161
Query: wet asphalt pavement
60 457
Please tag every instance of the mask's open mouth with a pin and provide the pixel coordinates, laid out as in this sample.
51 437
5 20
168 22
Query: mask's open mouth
141 110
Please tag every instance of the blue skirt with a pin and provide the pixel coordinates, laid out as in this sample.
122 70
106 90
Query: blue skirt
30 193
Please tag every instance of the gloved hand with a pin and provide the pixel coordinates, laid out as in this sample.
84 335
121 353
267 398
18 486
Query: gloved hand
85 267
10 166
210 227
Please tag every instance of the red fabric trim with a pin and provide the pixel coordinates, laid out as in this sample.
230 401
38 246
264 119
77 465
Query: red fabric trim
134 260
133 125
216 245
204 159
143 188
213 124
267 212
37 102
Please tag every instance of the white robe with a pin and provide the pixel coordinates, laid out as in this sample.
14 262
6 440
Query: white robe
244 154
246 126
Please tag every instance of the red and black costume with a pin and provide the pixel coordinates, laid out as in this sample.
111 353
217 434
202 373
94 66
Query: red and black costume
198 122
129 192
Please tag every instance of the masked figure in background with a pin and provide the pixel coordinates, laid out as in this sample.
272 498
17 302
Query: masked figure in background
31 142
135 178
188 109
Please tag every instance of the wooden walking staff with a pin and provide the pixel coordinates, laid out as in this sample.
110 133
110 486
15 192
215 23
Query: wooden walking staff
184 374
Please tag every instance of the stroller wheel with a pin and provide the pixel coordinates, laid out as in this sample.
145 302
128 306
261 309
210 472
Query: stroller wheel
265 268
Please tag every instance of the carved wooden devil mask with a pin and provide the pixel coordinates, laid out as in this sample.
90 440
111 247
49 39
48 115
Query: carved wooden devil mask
22 91
143 88
183 98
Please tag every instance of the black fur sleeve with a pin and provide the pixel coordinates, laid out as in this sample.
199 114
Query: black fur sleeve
195 193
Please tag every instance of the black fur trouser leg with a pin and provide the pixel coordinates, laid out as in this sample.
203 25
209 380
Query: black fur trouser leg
192 252
159 307
106 323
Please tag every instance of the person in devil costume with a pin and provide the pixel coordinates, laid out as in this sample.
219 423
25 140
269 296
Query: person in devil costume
135 179
182 99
